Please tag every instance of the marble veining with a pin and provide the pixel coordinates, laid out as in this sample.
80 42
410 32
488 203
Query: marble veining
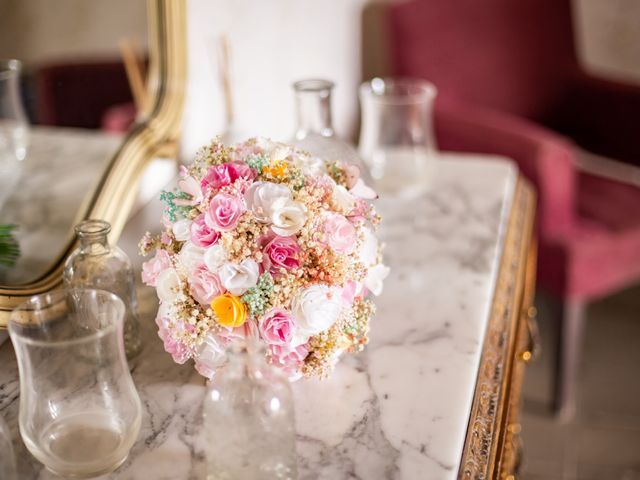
397 411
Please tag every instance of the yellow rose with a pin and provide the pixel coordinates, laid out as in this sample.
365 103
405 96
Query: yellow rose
230 310
277 170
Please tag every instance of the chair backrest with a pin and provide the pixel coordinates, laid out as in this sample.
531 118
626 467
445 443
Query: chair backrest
77 94
511 55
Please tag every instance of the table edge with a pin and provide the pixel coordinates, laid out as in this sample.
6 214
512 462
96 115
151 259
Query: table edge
481 454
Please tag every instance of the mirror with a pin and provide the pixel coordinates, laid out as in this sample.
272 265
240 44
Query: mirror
71 104
83 111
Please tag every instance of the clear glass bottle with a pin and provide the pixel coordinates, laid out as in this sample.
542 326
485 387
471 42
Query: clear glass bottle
249 420
96 264
314 132
14 127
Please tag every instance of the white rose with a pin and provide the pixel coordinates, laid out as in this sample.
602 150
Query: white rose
287 217
214 257
238 278
314 166
191 257
315 309
343 199
210 355
369 250
182 230
375 278
264 143
260 197
280 152
168 285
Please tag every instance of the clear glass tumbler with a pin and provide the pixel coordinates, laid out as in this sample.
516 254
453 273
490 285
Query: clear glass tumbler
7 460
80 413
397 142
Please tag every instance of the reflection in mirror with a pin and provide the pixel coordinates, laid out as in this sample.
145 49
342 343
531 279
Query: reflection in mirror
71 82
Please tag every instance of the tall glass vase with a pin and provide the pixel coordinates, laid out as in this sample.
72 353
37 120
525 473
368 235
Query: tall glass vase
14 127
249 420
314 131
397 142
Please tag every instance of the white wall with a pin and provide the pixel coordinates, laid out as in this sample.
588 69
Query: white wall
272 44
608 37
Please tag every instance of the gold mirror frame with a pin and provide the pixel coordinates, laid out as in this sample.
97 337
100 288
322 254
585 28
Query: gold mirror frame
156 135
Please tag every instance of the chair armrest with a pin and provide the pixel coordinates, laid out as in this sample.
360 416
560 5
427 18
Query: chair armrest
544 157
603 167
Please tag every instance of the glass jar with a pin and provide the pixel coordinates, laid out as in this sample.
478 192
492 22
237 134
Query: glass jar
80 413
397 142
314 132
96 264
14 127
249 420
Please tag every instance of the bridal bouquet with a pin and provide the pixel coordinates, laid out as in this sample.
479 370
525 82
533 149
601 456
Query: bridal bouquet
265 241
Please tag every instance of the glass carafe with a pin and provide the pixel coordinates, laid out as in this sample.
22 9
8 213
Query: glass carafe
79 409
14 131
249 420
96 264
314 132
397 142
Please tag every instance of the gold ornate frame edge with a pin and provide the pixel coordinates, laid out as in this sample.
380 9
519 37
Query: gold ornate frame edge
114 195
486 432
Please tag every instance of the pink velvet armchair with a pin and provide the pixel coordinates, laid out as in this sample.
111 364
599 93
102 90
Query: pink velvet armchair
509 83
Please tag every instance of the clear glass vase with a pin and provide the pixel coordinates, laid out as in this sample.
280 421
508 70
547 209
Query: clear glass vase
96 264
80 413
249 420
14 127
314 132
397 142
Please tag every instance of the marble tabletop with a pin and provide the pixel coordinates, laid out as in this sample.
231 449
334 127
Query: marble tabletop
400 409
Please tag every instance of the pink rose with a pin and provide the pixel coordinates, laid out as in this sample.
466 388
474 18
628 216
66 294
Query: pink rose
340 234
190 186
276 327
204 285
279 252
224 212
219 176
152 268
289 359
201 234
350 291
166 238
179 351
247 331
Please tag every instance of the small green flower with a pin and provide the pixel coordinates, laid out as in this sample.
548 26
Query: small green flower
174 211
258 162
258 298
